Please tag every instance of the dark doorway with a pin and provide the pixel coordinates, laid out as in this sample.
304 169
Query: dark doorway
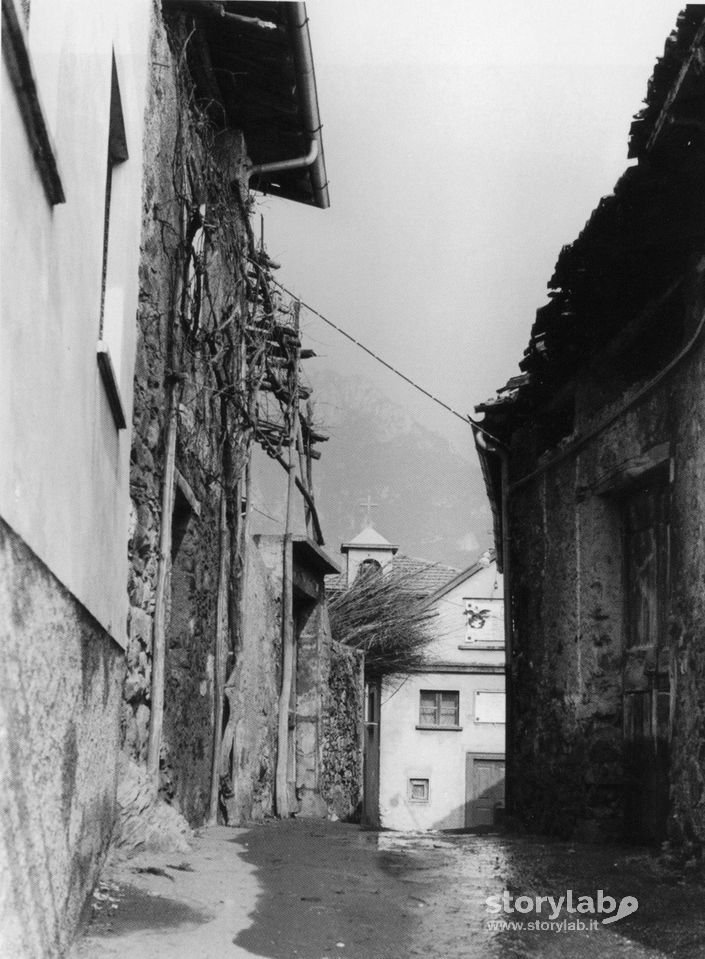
370 789
646 681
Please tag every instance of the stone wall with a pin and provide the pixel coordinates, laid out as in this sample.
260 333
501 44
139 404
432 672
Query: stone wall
253 689
687 414
565 681
568 601
191 303
189 699
341 785
325 713
312 672
209 335
60 679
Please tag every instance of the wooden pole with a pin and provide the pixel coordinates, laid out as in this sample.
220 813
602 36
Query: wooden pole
156 719
161 599
219 653
309 458
281 794
251 389
304 474
245 544
239 561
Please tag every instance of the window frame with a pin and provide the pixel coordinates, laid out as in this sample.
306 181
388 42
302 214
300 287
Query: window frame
117 153
423 723
18 61
426 783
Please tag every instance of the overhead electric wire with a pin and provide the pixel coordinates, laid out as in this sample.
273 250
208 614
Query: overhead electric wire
466 419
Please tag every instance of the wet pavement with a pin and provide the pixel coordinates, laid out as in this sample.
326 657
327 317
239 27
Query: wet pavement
319 890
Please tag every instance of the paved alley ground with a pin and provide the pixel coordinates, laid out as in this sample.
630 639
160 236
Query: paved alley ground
318 890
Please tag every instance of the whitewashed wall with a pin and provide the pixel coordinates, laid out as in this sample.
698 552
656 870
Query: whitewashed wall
64 472
439 755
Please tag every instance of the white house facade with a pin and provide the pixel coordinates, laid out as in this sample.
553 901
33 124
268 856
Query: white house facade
442 731
74 78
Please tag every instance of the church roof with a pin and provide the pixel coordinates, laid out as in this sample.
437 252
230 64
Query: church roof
487 558
369 538
419 575
424 577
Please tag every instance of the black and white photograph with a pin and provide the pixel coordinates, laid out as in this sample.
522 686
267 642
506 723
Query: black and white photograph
352 479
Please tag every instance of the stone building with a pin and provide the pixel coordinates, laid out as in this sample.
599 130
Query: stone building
229 649
594 459
144 352
73 102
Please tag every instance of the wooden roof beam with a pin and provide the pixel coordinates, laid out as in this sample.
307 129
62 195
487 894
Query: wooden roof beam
696 58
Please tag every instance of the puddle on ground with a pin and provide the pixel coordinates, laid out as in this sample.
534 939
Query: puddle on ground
135 909
387 841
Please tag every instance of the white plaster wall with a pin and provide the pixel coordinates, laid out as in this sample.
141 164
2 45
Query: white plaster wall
64 473
437 755
440 755
484 589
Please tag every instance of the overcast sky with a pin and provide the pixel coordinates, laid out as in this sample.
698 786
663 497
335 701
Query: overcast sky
465 143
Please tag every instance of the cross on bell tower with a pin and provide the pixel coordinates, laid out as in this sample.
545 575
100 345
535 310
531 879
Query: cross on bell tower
368 505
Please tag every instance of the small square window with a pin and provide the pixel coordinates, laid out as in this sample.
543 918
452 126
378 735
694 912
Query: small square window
418 790
439 708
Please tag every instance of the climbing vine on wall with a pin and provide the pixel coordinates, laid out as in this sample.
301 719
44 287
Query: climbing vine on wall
229 349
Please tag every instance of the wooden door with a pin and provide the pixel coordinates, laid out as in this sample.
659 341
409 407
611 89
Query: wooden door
484 788
646 682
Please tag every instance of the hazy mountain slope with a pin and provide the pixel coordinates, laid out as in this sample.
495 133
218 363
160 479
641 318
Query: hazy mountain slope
431 499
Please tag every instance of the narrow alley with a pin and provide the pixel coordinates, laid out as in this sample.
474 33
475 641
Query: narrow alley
320 890
268 264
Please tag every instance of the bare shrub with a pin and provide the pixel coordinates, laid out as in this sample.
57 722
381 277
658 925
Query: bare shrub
384 615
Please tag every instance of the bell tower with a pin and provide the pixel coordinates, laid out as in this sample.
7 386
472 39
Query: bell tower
369 549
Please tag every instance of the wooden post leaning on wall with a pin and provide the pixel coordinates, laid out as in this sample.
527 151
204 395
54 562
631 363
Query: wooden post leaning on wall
156 719
304 474
281 794
249 375
221 629
173 386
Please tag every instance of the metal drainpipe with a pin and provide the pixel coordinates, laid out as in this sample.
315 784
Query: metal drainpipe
296 164
503 455
306 84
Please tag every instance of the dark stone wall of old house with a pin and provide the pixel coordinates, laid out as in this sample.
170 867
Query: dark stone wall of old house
182 350
189 701
253 693
60 681
687 822
566 749
566 694
180 166
341 783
